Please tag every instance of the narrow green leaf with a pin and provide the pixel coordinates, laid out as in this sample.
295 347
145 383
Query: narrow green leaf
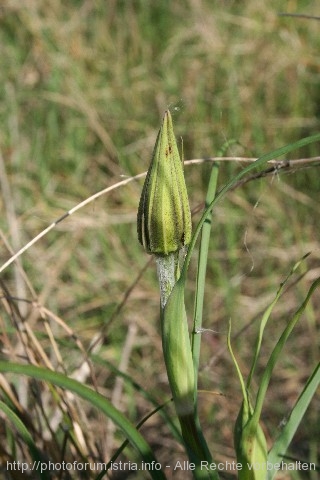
242 382
283 441
277 350
126 442
26 437
266 317
96 400
201 272
258 163
142 391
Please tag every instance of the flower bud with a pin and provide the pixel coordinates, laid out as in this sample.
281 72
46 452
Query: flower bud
251 446
164 218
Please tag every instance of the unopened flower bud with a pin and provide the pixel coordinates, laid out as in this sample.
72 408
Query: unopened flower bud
164 218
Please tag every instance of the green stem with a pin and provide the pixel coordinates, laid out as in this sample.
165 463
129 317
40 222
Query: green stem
179 364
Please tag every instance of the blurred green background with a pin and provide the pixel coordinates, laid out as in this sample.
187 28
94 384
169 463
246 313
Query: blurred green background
84 87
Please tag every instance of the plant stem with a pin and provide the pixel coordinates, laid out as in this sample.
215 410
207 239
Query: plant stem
168 271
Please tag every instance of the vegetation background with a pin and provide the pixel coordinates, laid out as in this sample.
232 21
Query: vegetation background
84 87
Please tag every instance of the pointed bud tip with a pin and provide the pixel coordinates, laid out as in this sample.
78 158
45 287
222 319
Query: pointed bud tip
164 218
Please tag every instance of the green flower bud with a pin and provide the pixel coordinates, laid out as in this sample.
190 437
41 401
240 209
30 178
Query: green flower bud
164 218
251 446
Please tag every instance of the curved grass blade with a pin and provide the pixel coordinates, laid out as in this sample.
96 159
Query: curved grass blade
126 442
94 399
266 317
26 437
283 441
143 392
241 379
277 350
258 163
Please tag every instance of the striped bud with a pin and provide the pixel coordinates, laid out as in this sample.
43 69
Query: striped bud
164 218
